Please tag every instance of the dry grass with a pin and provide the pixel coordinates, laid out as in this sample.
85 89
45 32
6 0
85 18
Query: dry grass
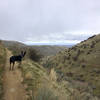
2 64
80 63
40 84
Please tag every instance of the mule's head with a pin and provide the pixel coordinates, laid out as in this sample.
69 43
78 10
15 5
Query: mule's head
23 53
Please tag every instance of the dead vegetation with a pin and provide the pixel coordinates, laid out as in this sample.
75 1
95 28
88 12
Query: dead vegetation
72 74
2 64
78 63
42 85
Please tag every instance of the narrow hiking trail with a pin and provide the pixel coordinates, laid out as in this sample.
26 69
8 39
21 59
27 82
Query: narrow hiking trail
13 88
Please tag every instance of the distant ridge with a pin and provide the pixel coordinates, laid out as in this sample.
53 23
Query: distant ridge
45 50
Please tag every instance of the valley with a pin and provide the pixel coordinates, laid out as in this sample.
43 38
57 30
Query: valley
65 74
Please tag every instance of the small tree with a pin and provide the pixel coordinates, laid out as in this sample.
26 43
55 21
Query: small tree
34 55
0 41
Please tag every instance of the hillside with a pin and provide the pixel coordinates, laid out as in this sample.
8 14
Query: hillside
79 64
45 50
72 74
2 64
33 82
12 43
42 86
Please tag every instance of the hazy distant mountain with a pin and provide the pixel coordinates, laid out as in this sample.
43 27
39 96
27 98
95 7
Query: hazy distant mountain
50 44
45 50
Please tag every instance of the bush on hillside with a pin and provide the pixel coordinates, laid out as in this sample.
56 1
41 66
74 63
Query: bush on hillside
92 44
78 52
97 40
88 53
75 58
84 46
74 48
0 41
83 65
34 55
46 94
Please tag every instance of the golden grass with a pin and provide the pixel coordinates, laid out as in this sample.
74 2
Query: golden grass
80 63
2 65
37 79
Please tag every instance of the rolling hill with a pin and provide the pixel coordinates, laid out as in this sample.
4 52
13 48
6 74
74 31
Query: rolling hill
45 50
70 74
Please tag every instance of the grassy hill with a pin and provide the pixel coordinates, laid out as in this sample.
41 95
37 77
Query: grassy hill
72 74
43 85
2 64
37 82
45 50
79 65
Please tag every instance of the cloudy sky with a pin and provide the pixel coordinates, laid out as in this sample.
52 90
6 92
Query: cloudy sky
49 21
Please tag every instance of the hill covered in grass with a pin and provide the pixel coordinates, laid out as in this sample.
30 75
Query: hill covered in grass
43 85
79 65
72 74
2 65
45 50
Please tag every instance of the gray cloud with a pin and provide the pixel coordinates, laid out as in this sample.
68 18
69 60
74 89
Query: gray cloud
49 20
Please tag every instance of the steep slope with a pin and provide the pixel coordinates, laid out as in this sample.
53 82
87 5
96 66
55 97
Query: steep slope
80 63
41 85
2 64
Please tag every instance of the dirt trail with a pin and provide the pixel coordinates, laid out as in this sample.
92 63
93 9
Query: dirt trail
13 88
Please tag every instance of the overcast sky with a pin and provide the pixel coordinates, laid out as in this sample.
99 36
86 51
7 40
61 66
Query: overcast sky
49 21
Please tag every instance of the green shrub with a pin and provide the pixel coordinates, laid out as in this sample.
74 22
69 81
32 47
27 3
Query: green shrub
83 65
0 41
45 94
34 55
75 58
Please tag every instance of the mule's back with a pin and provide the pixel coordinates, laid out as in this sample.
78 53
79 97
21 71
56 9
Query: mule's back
15 58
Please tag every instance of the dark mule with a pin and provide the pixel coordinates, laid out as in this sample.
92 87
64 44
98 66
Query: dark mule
17 58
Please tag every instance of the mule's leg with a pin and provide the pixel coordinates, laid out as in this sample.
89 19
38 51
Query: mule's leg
10 66
13 66
19 64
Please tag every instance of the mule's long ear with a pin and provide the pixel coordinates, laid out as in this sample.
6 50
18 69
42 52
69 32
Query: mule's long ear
24 53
